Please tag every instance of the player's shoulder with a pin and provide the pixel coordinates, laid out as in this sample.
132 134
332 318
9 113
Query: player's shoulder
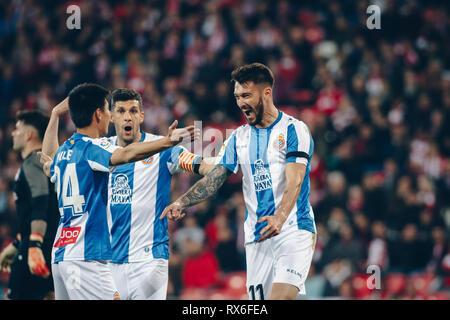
290 120
32 161
241 130
103 142
151 137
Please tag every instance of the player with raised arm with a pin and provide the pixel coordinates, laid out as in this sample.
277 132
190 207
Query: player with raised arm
138 193
273 150
81 169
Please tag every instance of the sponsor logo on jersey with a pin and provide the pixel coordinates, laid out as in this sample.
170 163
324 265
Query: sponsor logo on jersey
279 142
116 296
294 272
104 143
261 179
68 235
121 192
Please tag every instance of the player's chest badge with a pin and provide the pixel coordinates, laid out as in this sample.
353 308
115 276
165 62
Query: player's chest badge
279 142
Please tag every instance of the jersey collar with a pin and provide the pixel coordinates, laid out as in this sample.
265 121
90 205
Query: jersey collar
280 114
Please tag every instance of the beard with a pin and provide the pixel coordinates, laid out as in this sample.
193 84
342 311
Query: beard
258 110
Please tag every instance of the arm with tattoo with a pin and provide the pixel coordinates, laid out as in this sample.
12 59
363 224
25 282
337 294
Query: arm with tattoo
203 189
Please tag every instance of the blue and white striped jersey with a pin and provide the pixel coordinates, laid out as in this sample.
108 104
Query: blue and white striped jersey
262 155
138 194
80 170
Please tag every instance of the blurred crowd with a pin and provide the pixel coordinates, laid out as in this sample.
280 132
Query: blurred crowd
377 103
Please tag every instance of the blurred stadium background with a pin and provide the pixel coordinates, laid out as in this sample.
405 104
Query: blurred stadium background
377 103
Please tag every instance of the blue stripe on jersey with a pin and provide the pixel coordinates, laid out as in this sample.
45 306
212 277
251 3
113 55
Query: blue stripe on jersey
96 241
229 158
262 178
304 219
292 141
122 182
160 247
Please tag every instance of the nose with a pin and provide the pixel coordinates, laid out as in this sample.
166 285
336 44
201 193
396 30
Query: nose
127 115
239 102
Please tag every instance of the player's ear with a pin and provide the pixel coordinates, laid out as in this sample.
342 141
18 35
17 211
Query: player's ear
97 116
268 92
31 133
141 115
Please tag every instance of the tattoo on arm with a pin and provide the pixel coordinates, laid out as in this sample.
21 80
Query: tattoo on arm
205 187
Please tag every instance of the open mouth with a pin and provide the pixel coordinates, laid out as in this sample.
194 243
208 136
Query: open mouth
247 112
128 129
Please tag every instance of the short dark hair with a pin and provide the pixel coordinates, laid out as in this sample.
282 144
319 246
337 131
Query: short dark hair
36 119
255 72
84 99
124 94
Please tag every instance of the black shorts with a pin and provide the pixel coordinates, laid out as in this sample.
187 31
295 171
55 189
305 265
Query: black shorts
23 285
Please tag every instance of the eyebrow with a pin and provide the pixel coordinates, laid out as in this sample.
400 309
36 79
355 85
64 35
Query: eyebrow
244 93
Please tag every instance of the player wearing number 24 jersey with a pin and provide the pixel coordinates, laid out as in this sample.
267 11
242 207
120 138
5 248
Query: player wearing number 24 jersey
80 169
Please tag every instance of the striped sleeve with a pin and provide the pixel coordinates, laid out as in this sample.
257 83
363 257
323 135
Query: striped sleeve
299 143
228 154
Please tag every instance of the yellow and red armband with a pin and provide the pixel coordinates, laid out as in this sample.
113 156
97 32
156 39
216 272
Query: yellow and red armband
189 162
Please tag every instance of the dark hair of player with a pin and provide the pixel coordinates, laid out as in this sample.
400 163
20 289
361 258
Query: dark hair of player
255 72
124 94
36 119
84 99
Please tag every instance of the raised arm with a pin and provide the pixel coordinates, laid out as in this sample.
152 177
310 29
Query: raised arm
50 143
295 174
201 190
141 150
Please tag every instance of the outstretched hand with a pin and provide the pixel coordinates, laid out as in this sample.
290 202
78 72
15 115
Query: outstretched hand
173 212
188 133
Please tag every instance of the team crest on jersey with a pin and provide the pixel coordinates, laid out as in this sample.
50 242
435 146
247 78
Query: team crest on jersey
279 142
121 192
148 160
261 179
116 296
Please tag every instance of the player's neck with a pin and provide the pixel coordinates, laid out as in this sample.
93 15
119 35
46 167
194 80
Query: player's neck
122 143
29 148
90 131
270 116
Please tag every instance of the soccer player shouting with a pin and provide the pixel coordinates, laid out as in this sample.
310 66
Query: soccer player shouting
137 194
273 151
81 170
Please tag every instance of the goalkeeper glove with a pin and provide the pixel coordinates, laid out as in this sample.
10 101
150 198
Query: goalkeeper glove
36 261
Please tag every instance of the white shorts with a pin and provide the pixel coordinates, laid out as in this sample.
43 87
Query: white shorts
146 280
285 258
84 280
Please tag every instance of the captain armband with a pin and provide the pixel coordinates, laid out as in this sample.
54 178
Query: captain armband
189 162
